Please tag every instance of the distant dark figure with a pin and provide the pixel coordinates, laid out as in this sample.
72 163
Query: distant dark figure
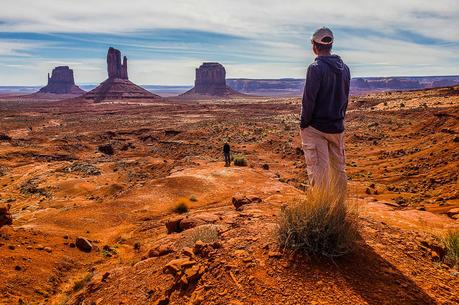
227 153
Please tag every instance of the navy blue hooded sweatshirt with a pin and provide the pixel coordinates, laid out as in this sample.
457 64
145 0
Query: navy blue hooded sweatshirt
326 94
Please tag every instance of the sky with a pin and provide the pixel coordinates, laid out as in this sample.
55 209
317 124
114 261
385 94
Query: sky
165 40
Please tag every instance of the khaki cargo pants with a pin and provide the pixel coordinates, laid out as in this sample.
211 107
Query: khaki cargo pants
325 160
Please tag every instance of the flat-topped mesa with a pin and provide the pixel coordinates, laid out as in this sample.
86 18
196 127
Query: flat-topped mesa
61 82
115 68
117 86
210 81
210 78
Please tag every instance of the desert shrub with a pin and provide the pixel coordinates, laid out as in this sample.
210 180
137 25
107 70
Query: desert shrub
193 198
320 223
451 241
206 233
240 161
78 285
181 207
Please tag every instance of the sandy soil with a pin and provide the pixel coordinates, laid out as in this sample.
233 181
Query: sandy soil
402 162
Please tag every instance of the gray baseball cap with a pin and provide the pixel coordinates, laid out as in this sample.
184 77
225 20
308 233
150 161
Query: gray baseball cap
323 36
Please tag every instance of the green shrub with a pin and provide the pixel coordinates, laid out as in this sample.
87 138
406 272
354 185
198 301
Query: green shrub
240 161
181 207
451 241
319 223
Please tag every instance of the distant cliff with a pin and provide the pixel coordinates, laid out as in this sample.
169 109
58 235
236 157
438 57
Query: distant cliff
361 85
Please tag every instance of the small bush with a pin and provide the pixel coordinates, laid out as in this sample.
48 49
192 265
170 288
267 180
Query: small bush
78 285
320 224
193 198
240 161
181 208
206 233
451 241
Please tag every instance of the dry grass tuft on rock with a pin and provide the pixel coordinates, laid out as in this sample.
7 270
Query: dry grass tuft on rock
319 224
451 241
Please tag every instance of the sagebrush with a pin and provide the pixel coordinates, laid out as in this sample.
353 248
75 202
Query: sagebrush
451 241
320 223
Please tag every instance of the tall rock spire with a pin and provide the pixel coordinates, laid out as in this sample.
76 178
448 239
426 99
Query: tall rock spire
114 67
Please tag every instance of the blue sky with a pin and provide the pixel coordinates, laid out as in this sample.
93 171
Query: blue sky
165 42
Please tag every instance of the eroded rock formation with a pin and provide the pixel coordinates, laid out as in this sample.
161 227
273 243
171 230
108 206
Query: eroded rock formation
211 80
115 68
117 86
61 82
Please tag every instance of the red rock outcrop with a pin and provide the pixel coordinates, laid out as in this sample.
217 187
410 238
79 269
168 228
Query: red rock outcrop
210 81
118 86
115 68
61 82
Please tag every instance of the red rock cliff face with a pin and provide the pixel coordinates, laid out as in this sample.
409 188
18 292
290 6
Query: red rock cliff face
210 78
114 67
210 81
61 82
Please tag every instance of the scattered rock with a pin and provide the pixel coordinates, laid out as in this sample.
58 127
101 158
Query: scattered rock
174 266
239 201
274 254
48 249
173 225
84 168
5 216
160 251
18 268
105 276
4 137
83 244
451 213
265 166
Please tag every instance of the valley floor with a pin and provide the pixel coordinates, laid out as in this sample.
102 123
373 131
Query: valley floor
62 180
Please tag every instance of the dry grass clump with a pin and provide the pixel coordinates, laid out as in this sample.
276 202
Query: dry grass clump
206 233
240 161
451 241
181 207
320 223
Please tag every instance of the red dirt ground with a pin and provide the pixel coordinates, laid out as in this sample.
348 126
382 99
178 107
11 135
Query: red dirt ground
402 162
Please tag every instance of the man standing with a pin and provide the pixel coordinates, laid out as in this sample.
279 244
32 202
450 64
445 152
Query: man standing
226 153
323 110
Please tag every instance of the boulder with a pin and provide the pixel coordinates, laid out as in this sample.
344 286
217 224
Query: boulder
173 225
106 149
61 82
197 220
5 216
179 224
451 213
83 244
239 201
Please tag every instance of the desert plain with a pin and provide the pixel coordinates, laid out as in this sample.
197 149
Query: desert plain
110 174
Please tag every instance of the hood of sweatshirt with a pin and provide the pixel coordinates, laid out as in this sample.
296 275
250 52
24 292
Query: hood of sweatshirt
334 61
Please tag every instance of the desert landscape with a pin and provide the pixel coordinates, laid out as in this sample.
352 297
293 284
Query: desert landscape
113 198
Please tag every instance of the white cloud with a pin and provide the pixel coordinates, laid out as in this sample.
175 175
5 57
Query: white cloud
373 36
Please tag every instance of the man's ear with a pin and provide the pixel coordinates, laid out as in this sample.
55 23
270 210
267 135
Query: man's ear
314 50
